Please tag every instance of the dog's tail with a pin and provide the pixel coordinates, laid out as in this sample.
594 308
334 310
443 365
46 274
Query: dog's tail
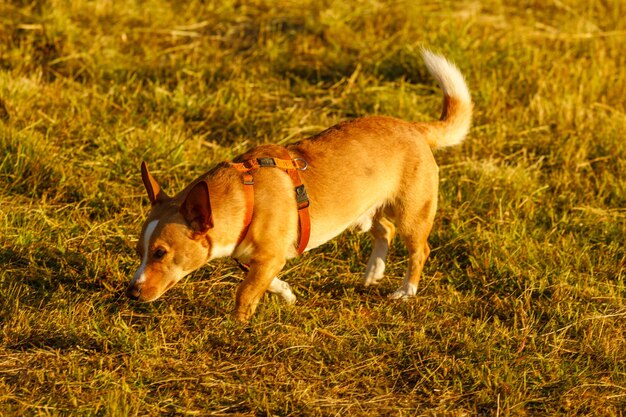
456 116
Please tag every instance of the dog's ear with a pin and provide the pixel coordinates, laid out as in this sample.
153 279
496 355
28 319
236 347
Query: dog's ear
196 209
152 187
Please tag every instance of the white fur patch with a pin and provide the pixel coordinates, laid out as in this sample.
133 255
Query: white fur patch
283 289
376 264
407 290
447 75
139 275
222 251
364 222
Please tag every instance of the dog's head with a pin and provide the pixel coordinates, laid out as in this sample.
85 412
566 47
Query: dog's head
173 240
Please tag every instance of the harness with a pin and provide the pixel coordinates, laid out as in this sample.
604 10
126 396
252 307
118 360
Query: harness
291 167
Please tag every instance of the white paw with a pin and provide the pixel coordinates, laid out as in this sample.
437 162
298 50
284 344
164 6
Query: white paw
374 272
289 296
406 291
284 290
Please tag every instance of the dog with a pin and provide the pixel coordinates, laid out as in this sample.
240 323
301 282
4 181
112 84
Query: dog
374 173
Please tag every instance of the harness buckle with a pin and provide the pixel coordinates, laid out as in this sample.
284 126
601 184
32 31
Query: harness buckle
266 162
302 198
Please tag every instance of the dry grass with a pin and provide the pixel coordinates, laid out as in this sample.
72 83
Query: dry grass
521 310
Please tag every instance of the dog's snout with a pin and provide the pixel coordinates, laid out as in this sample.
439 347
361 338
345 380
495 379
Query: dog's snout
133 292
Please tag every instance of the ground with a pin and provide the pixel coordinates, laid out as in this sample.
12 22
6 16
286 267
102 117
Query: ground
521 308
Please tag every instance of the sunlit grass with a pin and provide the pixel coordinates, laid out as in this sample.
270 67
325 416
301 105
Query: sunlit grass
521 307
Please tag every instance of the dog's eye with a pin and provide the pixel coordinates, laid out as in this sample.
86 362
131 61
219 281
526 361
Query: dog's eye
159 253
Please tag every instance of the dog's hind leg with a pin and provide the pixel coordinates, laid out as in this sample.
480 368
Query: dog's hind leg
414 231
383 232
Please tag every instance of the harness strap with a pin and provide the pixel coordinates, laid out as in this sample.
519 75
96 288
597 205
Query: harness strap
248 182
285 164
291 166
302 200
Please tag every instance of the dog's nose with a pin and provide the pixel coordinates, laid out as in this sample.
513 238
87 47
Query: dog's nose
133 293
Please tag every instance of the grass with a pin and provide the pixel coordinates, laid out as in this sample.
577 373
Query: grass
521 310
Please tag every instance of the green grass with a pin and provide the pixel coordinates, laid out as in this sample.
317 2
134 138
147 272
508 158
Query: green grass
521 310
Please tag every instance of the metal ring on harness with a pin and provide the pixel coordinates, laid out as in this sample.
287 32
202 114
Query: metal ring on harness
306 164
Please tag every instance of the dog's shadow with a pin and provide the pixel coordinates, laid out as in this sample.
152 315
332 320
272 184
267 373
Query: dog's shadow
47 296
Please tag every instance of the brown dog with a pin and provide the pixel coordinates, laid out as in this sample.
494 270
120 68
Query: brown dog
374 173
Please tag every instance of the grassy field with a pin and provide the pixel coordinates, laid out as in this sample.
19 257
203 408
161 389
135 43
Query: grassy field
521 310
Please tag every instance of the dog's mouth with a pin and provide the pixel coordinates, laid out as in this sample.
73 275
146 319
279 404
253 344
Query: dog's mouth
147 294
150 296
169 285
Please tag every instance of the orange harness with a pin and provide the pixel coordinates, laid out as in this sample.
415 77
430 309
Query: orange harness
291 167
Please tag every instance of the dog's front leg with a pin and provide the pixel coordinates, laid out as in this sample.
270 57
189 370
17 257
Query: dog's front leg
257 281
